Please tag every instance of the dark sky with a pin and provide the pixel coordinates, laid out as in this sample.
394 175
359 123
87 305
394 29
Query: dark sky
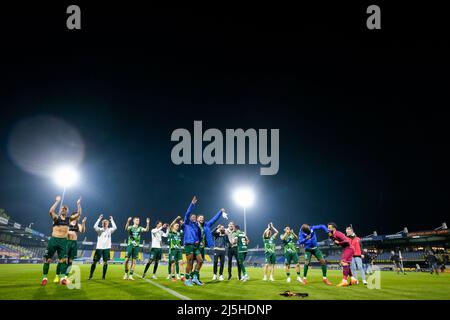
363 116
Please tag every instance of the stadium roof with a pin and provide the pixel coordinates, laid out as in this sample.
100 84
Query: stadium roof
9 226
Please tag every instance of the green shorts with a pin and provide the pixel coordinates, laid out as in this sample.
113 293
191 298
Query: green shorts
101 254
58 246
270 257
202 252
132 252
241 257
155 254
191 248
72 249
313 252
175 255
290 258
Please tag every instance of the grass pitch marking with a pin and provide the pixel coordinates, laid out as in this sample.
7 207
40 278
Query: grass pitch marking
172 292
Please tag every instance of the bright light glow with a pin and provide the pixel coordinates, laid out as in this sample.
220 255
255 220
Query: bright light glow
65 177
244 197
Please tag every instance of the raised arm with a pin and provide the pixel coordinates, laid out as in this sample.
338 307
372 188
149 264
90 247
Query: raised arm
96 227
83 225
214 219
113 224
267 229
320 227
78 214
174 221
274 229
128 223
147 228
189 210
52 210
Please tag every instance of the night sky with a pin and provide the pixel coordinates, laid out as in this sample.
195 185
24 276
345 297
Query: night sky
363 116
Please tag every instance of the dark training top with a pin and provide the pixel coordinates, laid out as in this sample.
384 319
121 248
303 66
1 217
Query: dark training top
61 222
74 227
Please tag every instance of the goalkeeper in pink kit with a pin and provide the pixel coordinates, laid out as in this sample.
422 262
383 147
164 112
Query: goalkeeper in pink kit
347 252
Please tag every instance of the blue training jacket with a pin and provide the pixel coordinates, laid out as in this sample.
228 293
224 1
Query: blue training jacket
311 242
192 232
207 229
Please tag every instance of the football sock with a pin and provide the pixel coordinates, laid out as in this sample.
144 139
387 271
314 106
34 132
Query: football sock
324 270
105 268
93 265
155 267
69 265
346 272
63 268
45 269
305 270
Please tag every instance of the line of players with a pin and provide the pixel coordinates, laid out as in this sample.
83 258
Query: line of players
197 235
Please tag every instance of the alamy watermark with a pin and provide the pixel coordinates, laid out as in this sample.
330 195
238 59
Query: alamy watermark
374 279
74 278
235 151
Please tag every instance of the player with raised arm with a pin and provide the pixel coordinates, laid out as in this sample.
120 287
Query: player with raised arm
307 238
58 241
269 236
175 251
156 251
134 240
341 240
242 249
192 235
206 239
72 247
290 253
102 250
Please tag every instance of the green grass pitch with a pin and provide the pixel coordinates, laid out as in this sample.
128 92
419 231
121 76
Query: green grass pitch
23 282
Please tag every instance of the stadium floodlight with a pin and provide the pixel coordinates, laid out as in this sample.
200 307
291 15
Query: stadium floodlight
65 177
244 197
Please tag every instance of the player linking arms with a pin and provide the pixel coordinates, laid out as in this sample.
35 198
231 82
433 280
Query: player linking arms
102 250
307 238
191 241
134 239
58 241
156 251
206 238
347 252
175 252
269 236
195 232
290 253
